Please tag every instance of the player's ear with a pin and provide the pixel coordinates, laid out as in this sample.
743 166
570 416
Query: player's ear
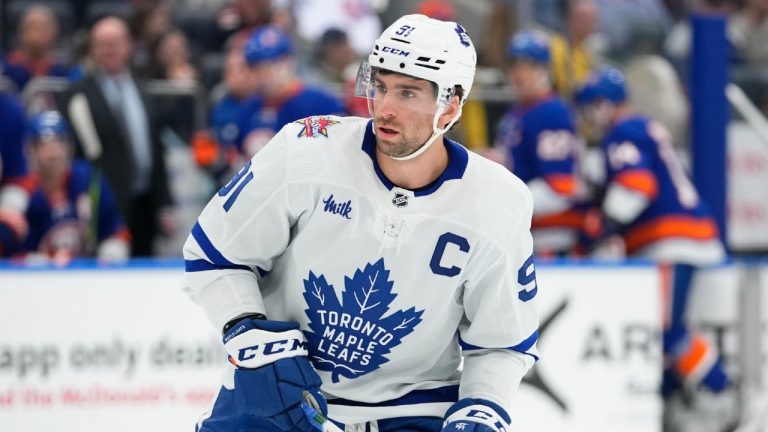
450 112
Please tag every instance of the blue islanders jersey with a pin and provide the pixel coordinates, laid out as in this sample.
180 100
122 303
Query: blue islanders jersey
13 163
14 178
540 144
639 157
57 224
260 121
391 287
225 120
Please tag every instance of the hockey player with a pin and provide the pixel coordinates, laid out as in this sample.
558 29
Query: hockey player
279 96
360 260
14 178
68 215
649 202
538 143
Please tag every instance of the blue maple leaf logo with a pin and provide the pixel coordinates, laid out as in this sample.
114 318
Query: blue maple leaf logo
352 338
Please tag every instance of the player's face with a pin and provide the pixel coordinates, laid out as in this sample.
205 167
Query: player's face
51 156
529 80
598 115
403 112
236 74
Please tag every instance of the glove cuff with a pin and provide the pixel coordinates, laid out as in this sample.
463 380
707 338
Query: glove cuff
254 316
480 411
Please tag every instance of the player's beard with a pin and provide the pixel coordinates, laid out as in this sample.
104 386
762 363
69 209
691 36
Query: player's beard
409 138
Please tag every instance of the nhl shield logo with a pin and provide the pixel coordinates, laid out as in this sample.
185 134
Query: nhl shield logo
400 200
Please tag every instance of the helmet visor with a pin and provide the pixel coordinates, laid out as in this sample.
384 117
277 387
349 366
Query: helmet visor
382 88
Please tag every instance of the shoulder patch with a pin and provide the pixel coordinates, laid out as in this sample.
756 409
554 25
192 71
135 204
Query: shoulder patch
315 126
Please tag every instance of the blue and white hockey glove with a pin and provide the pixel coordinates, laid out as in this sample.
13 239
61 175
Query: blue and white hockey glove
273 371
476 415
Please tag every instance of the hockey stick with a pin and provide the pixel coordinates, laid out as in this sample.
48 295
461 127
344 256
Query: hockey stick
82 121
316 418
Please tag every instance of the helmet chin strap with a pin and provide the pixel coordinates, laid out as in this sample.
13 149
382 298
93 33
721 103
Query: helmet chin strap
436 132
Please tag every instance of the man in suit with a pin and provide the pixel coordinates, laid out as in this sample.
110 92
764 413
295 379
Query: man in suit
116 129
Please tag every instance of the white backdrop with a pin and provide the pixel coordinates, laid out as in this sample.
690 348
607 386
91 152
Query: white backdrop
601 351
125 350
103 351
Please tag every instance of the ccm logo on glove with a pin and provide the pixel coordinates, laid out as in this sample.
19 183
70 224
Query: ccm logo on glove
255 348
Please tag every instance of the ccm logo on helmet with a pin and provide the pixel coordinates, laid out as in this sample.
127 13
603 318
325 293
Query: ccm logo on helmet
396 51
270 348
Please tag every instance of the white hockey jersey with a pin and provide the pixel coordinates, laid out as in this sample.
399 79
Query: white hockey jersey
390 286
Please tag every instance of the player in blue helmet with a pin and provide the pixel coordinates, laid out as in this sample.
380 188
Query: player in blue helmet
529 46
603 90
267 44
606 83
537 138
651 208
67 216
49 124
279 96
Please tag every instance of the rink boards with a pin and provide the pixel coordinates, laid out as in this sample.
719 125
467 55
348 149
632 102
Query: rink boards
123 348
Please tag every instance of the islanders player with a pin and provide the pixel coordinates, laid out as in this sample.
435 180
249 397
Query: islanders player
71 213
538 141
279 96
650 203
14 175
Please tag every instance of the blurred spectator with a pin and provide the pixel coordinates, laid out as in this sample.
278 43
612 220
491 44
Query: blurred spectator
72 212
501 25
573 53
116 130
150 22
242 17
677 43
34 54
14 179
548 13
280 95
652 210
356 17
629 26
171 58
333 61
538 143
216 149
748 31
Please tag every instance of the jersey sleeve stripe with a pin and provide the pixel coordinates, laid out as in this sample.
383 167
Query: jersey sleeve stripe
216 260
203 265
640 180
522 347
670 226
563 184
571 219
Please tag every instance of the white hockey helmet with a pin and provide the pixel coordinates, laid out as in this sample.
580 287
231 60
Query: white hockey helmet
421 47
430 49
